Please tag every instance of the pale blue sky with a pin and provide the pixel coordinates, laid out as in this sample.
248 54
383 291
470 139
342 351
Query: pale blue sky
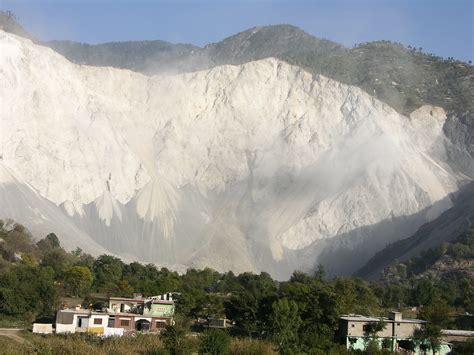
443 27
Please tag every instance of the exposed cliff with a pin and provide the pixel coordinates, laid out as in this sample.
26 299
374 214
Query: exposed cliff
260 166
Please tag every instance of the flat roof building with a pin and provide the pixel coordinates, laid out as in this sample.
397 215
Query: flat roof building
122 316
354 330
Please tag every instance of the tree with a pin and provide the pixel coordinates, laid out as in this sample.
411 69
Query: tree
438 313
214 342
213 306
78 280
16 242
54 240
108 271
356 296
464 348
28 289
285 323
424 293
243 309
370 332
48 243
251 307
10 303
320 273
372 328
59 260
429 337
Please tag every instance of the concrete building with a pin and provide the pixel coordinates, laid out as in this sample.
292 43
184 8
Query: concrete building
457 335
80 320
150 314
123 315
353 331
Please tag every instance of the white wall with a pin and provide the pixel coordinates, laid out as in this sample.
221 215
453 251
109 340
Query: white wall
42 328
65 328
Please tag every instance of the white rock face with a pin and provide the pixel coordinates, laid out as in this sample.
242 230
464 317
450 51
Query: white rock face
254 167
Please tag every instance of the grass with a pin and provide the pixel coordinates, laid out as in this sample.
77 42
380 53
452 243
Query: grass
92 345
245 346
13 322
9 346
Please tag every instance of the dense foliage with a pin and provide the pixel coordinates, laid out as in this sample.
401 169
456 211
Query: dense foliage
300 314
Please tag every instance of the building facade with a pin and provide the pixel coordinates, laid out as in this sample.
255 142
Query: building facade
122 316
397 334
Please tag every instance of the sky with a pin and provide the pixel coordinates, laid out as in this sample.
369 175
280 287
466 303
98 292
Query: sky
442 27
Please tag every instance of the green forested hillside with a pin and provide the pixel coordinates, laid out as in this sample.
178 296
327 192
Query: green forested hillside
299 314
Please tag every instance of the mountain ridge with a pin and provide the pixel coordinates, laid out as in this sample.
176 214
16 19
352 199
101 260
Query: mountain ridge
403 77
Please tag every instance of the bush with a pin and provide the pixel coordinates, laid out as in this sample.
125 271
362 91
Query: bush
215 341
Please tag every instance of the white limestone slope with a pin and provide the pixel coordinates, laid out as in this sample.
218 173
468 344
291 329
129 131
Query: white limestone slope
252 167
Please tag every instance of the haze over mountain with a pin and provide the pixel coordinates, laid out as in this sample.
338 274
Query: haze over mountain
405 78
258 166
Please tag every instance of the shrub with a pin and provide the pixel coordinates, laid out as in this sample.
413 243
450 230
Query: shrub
215 341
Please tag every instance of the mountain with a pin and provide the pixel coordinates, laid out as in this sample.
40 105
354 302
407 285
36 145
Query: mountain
135 55
155 57
447 228
405 78
259 166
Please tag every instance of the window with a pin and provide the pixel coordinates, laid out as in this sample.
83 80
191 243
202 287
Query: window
398 324
124 322
83 322
352 325
160 324
366 327
97 320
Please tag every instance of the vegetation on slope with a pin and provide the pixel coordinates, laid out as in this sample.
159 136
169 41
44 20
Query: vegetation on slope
9 23
403 77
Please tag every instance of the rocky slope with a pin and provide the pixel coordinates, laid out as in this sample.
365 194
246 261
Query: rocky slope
260 166
447 228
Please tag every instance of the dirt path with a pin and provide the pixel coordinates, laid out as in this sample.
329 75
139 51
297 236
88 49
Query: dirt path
13 333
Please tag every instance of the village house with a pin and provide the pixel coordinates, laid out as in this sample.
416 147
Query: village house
353 331
122 316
